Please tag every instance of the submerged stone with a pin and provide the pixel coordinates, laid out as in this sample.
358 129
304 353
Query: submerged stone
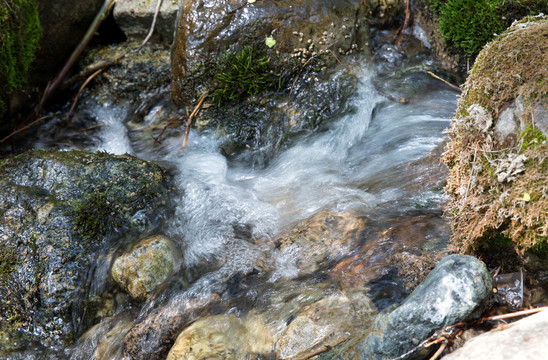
145 266
451 293
60 210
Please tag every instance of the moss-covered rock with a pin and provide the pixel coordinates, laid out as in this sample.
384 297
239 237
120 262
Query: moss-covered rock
42 218
497 147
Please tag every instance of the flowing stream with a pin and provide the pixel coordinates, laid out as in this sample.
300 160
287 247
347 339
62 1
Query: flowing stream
360 164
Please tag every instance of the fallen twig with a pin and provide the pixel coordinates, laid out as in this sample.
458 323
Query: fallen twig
54 85
26 127
158 5
444 81
514 314
439 351
82 89
85 73
299 74
174 120
405 23
189 120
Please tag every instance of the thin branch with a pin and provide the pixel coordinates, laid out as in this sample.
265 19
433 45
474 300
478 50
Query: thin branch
158 5
514 314
444 81
439 351
85 73
88 80
299 74
189 121
26 127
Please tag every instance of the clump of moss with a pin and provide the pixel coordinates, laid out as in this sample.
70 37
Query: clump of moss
468 25
243 73
498 186
20 33
8 261
96 216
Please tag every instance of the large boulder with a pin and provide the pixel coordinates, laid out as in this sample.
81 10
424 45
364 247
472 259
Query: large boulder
296 77
498 144
60 211
451 293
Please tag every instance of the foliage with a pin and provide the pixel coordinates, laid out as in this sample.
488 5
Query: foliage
469 24
241 74
20 33
531 137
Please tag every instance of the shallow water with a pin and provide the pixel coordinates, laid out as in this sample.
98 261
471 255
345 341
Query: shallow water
230 209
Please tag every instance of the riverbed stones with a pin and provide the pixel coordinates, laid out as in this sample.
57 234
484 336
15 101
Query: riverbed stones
60 210
144 267
523 339
135 17
451 293
314 243
221 337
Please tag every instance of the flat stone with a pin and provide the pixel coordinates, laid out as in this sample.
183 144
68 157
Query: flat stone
523 339
135 17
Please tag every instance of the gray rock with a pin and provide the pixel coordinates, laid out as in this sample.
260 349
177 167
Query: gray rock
506 125
450 293
60 211
135 17
524 339
145 266
540 119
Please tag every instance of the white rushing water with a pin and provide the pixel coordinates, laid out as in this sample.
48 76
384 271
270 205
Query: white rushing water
357 164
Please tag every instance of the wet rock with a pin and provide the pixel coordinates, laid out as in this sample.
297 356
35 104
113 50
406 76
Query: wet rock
153 337
450 294
145 266
103 341
136 74
300 28
523 339
60 211
221 337
135 18
318 241
404 246
325 323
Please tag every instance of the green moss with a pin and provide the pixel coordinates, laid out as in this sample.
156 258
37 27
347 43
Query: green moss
531 137
468 25
241 74
20 33
8 261
96 216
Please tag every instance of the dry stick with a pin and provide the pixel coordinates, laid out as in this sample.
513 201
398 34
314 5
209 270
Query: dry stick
159 138
52 88
158 5
321 351
517 313
85 73
439 351
444 81
26 127
82 89
405 23
189 121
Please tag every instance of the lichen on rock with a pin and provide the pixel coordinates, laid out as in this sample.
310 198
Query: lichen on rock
497 148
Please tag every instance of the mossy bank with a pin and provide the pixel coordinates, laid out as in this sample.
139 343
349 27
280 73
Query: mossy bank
497 146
